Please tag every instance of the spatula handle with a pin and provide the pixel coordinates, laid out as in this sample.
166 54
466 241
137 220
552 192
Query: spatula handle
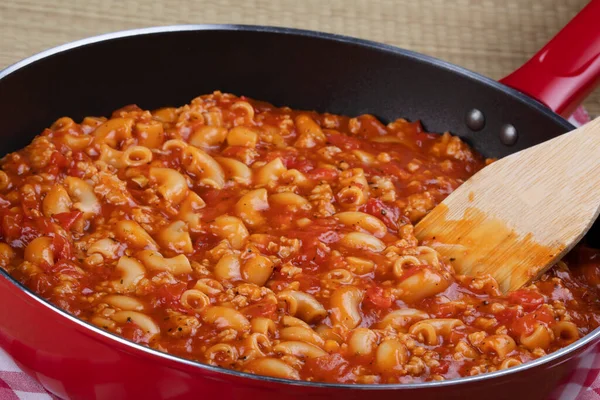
567 69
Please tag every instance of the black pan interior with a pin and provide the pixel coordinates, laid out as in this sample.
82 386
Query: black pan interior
170 66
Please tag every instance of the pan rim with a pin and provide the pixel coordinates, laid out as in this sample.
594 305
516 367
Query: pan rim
539 107
590 338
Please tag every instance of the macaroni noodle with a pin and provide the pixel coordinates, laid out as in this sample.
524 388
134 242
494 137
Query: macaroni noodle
273 241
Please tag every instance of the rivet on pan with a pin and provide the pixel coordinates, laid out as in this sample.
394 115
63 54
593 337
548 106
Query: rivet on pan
475 120
508 135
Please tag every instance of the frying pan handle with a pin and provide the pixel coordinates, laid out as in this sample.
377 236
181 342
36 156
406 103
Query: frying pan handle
567 69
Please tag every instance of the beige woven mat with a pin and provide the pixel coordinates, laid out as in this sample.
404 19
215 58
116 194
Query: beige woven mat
488 36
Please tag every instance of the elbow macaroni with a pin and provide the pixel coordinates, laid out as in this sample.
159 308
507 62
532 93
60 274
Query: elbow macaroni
272 241
171 185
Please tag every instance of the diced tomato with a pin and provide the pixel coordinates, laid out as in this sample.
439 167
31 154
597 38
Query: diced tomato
72 170
80 156
28 233
529 299
344 142
323 174
302 165
45 225
59 160
291 160
11 226
206 241
67 219
41 284
133 332
388 214
523 325
394 169
311 251
377 297
330 368
76 172
441 368
64 267
506 315
218 202
168 295
527 323
287 156
260 310
52 169
424 136
63 249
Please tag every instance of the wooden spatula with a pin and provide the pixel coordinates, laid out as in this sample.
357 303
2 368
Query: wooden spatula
519 215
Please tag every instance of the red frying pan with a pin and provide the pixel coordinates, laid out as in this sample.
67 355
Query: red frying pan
307 70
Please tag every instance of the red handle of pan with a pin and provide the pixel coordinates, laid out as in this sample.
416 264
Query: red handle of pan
567 69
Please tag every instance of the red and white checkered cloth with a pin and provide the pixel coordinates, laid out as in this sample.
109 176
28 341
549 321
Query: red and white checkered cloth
582 384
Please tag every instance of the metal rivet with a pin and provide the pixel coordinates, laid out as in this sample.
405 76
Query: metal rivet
508 135
475 120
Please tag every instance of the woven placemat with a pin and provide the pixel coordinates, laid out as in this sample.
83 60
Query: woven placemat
487 36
